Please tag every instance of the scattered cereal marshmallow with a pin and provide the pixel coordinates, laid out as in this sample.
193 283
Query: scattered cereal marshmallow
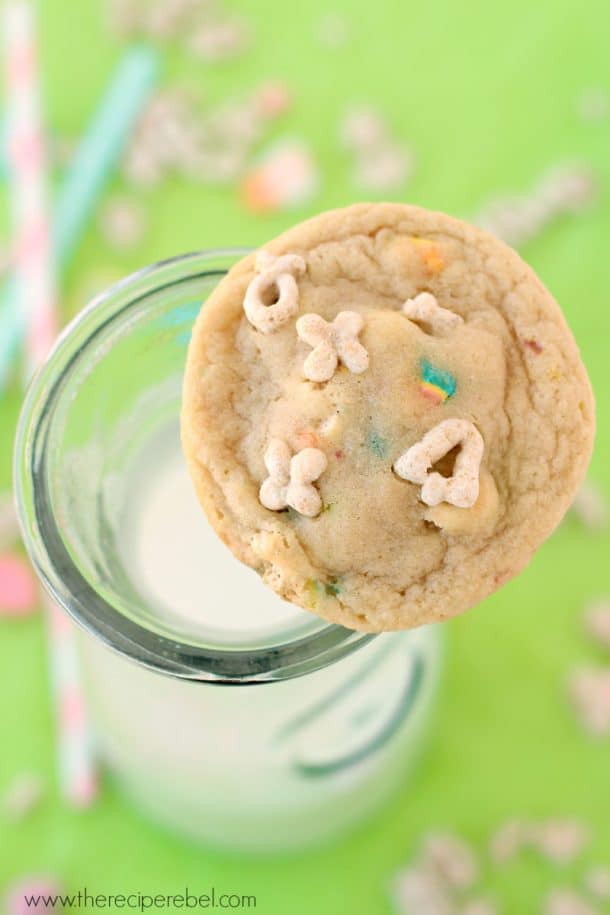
124 18
273 99
424 308
332 342
589 690
418 890
562 901
214 41
163 20
362 128
122 223
381 163
597 620
508 841
17 895
285 176
590 507
517 219
479 907
273 272
462 488
385 169
22 796
559 841
452 859
597 881
569 187
291 478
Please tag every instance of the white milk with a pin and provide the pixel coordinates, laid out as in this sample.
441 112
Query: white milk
182 566
271 766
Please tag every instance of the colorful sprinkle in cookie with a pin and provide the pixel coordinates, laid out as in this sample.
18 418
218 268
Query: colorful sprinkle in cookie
385 443
436 384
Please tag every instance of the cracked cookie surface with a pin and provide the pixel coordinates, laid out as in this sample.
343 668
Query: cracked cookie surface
376 557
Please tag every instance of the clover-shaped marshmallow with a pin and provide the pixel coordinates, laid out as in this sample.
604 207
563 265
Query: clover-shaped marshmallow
462 488
425 309
274 279
332 342
291 478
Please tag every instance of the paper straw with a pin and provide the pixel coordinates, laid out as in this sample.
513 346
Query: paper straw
102 146
78 777
34 287
9 526
34 277
91 166
2 147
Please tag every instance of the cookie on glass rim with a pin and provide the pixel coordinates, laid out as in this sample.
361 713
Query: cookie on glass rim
385 414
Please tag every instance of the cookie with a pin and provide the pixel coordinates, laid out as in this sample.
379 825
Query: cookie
385 414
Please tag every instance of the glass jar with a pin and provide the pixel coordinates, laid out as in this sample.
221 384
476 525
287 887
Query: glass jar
223 711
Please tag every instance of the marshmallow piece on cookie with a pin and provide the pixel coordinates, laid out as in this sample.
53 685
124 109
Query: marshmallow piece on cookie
425 309
276 278
462 487
332 342
291 478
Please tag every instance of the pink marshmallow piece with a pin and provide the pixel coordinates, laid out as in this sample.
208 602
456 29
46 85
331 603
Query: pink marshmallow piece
18 589
15 900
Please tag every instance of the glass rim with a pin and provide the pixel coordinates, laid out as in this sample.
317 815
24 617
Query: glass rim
52 561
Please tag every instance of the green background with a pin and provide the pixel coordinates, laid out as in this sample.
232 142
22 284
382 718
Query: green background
487 96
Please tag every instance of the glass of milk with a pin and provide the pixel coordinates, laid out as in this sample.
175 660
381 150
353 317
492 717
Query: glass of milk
223 711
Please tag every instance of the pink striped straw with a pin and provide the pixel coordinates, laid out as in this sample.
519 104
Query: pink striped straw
77 772
36 289
33 266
